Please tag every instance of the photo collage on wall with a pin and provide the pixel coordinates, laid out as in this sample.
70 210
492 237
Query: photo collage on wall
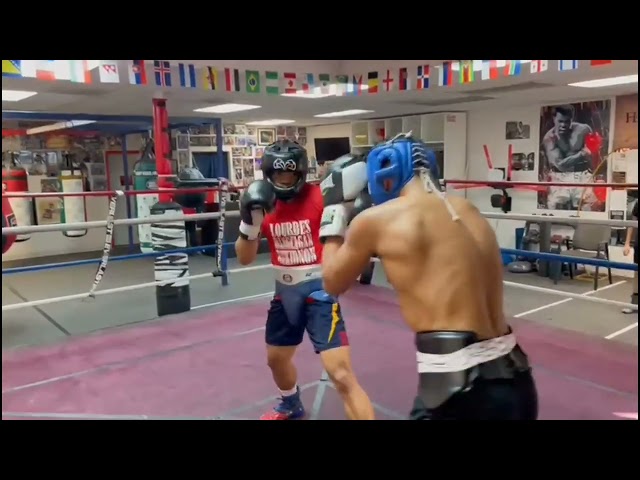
244 142
523 159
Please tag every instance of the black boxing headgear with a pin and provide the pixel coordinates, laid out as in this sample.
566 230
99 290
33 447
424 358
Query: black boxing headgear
285 156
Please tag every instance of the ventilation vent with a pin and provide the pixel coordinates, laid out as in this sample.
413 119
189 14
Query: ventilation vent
519 87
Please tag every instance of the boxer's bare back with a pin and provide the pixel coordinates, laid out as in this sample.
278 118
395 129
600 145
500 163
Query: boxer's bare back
447 274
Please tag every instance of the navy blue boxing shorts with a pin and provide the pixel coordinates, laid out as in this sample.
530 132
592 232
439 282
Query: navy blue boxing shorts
300 304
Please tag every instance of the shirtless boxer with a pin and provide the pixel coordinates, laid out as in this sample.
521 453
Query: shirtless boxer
442 258
286 210
568 159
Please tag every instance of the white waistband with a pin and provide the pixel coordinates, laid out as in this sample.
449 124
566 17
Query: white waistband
295 275
468 357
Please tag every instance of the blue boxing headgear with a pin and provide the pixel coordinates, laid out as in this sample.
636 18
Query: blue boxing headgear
395 163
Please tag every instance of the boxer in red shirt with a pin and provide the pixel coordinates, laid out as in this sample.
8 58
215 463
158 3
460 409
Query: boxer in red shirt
286 210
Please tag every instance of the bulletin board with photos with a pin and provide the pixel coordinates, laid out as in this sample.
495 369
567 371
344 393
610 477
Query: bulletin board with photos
245 143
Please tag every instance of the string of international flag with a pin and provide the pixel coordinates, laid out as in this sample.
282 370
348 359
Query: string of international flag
161 73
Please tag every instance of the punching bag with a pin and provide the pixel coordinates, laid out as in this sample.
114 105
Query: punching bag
188 178
145 177
8 220
73 208
174 297
15 180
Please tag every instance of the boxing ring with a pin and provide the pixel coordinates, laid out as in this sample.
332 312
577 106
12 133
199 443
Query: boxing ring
107 355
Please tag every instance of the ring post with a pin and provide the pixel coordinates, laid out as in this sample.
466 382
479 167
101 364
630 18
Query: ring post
174 297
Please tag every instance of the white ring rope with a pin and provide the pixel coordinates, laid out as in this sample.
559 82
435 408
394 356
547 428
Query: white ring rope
109 291
560 220
106 250
224 193
64 227
47 301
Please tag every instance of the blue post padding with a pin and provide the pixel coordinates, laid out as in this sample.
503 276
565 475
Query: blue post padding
567 259
507 259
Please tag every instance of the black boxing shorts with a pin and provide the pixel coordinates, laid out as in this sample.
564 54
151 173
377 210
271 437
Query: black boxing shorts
462 378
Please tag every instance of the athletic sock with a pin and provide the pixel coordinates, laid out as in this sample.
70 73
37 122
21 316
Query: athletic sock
289 393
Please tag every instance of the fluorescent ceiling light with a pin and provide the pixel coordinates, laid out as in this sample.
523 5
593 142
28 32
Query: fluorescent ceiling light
343 113
16 95
317 92
477 65
58 126
261 123
227 108
607 82
303 94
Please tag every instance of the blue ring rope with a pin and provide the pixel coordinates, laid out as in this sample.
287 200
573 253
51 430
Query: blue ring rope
568 259
119 258
509 251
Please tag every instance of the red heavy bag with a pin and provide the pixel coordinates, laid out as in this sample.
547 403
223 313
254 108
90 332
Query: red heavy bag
15 179
8 220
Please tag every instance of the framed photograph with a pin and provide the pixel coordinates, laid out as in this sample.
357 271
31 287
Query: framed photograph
266 136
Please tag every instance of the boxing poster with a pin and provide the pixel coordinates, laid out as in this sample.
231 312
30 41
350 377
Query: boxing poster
625 130
574 143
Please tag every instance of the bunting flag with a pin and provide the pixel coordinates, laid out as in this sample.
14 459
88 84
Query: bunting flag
272 86
162 73
324 81
137 72
539 66
289 83
354 87
466 71
490 70
513 68
275 83
341 85
252 78
210 79
43 70
308 83
372 82
403 80
12 68
445 75
79 72
187 75
387 81
565 65
599 63
232 79
108 71
422 77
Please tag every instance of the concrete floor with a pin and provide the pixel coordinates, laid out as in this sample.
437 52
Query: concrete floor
110 358
52 323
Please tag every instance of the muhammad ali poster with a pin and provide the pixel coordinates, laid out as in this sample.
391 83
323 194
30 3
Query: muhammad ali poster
574 142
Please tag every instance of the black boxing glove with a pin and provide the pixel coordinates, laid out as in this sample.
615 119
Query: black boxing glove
346 179
258 199
362 202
